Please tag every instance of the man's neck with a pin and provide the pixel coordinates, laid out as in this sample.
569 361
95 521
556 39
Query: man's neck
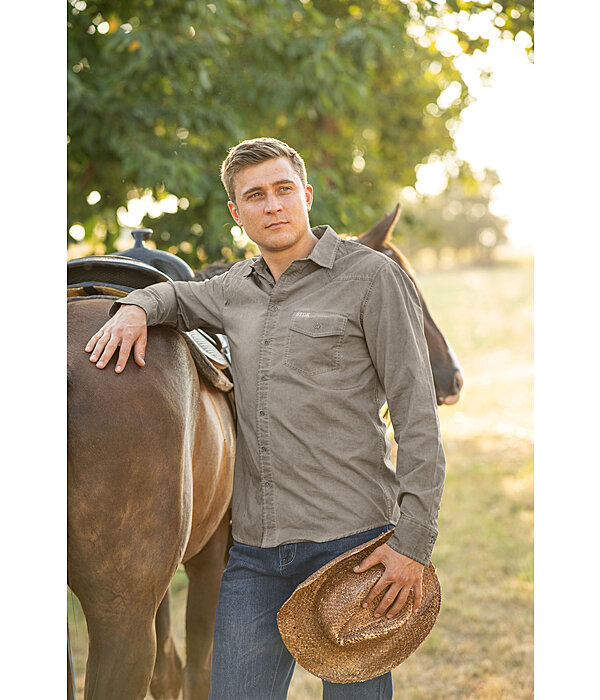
279 260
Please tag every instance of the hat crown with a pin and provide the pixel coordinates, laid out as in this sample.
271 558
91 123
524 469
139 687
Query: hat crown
341 615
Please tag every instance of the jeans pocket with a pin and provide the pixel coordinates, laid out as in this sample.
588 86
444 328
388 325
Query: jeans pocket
314 342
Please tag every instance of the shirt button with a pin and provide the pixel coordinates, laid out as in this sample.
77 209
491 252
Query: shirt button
267 483
317 325
266 342
263 378
274 308
261 413
263 449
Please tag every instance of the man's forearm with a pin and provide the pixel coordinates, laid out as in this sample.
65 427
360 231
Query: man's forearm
182 305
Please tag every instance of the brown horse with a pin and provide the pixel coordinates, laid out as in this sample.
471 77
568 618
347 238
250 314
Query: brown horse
150 462
150 467
447 373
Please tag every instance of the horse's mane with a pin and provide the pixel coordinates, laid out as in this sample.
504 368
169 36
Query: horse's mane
213 270
387 243
405 264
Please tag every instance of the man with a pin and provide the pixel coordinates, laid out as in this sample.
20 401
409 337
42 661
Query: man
322 331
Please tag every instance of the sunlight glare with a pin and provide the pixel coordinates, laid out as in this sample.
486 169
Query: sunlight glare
450 95
169 204
507 99
432 178
77 232
240 237
358 164
409 193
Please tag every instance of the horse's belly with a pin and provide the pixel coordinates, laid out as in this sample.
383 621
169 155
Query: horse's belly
212 468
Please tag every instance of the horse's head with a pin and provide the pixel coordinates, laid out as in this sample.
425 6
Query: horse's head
447 373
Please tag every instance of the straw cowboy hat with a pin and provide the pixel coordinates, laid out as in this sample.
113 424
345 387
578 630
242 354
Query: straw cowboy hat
328 632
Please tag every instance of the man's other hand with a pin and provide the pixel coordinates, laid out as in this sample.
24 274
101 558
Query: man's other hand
127 329
400 576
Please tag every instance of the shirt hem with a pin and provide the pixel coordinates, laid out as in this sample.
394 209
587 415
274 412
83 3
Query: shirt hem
326 538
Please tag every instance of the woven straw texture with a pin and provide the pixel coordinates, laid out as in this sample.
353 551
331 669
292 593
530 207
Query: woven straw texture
330 635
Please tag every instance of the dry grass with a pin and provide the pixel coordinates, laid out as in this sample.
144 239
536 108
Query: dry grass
482 645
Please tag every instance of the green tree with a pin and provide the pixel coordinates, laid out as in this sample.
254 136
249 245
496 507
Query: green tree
160 90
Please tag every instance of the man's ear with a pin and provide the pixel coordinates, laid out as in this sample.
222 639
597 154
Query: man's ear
309 196
234 213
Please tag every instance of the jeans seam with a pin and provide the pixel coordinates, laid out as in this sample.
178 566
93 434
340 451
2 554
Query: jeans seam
275 674
289 561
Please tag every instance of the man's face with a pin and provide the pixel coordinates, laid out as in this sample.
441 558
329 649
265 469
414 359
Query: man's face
272 205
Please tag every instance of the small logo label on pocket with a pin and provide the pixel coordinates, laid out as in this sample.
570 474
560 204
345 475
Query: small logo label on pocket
302 313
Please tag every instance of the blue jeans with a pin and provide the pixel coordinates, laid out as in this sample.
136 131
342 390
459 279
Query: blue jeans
250 660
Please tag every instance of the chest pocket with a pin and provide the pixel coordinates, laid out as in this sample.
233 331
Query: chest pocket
314 342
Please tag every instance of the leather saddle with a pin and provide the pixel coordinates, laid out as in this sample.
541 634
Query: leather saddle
114 276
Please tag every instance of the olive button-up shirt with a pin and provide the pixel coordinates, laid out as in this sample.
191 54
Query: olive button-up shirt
314 357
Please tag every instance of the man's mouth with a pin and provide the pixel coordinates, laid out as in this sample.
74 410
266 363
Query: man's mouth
276 224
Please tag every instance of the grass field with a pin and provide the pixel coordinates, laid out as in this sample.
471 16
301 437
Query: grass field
482 645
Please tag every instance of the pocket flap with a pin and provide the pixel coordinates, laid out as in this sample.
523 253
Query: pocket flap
318 323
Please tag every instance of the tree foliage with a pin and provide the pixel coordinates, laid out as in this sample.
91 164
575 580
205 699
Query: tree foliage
458 218
159 90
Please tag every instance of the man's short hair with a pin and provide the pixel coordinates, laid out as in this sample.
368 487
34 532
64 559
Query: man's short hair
254 151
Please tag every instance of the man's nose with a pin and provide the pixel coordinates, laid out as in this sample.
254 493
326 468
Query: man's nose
272 203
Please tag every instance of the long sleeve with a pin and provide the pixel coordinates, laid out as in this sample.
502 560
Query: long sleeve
183 305
393 326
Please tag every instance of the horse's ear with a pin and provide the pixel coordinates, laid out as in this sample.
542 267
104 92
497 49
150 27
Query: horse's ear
381 232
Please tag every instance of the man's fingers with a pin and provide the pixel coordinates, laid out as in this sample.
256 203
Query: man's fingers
387 600
400 602
377 588
123 355
99 346
368 562
93 340
139 350
418 591
109 351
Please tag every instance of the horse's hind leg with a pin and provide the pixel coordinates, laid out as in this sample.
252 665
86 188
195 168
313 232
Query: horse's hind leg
121 655
166 679
204 572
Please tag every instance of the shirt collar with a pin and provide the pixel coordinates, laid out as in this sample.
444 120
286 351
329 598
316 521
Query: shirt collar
323 253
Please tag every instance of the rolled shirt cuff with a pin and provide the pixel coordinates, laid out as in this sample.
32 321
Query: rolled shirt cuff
148 305
413 539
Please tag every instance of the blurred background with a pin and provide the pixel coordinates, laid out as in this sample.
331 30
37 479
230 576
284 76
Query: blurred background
387 101
422 103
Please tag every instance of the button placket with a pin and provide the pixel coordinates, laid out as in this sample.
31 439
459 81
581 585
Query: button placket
262 423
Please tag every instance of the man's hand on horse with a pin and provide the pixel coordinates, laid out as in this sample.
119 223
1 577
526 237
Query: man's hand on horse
400 576
127 329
